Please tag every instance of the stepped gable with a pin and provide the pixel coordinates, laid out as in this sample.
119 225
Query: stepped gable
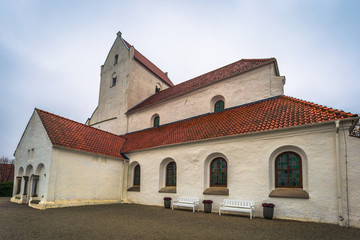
149 65
230 70
269 114
66 133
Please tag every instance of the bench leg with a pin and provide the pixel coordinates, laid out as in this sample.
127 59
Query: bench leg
193 209
250 214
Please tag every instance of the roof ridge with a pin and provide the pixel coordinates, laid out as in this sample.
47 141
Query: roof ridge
67 119
264 61
318 106
234 63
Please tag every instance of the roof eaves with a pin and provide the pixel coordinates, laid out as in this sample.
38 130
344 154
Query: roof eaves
94 153
247 134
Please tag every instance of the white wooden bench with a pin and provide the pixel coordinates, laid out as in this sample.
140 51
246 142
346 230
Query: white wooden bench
237 206
191 202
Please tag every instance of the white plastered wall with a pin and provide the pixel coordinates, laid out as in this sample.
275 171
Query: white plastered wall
249 172
248 87
36 142
134 84
84 178
109 115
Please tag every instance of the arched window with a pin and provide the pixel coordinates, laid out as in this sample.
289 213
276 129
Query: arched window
218 173
171 174
219 106
116 59
137 175
114 77
288 172
156 121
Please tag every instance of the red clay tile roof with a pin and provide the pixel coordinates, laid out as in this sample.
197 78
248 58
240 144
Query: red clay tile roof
66 133
274 113
230 70
149 65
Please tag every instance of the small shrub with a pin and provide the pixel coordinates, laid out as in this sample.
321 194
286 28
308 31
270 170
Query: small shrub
6 189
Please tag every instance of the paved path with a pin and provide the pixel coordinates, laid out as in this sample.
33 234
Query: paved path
131 221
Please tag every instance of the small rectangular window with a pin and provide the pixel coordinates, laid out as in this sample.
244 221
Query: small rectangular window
32 154
116 59
113 82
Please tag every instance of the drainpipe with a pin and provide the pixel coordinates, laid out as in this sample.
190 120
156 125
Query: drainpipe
338 174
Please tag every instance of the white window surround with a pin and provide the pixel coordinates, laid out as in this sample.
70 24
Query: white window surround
304 167
152 120
207 163
131 174
214 100
162 172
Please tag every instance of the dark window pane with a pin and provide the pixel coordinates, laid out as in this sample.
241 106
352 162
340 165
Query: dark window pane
171 174
219 106
157 121
218 172
288 170
137 175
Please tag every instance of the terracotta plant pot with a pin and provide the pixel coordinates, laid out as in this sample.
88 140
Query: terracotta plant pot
207 207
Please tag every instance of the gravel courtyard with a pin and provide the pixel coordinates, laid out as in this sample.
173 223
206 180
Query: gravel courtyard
131 221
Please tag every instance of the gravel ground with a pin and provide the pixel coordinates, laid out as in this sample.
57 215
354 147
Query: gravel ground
131 221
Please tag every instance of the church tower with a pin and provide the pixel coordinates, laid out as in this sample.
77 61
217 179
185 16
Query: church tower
127 78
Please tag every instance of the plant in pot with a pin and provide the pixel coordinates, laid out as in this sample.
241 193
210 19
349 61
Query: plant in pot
268 210
167 202
207 205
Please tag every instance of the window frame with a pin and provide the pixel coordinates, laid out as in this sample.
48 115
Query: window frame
167 174
116 59
156 122
276 170
217 106
135 176
211 172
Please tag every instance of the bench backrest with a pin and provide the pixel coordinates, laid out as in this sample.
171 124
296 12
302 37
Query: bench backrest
238 203
188 199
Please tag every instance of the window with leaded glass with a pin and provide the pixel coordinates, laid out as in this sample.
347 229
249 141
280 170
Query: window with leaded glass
288 173
218 173
156 121
171 174
137 175
219 106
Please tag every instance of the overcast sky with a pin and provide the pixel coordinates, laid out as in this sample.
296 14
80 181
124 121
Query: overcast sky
51 51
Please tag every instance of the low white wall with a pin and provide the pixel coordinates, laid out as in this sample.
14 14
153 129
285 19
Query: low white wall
81 176
249 172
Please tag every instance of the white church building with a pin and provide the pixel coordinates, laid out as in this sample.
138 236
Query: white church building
228 134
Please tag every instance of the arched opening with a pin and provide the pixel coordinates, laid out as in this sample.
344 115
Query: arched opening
157 87
288 173
216 174
114 79
217 103
134 178
155 120
167 176
18 180
116 58
28 172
